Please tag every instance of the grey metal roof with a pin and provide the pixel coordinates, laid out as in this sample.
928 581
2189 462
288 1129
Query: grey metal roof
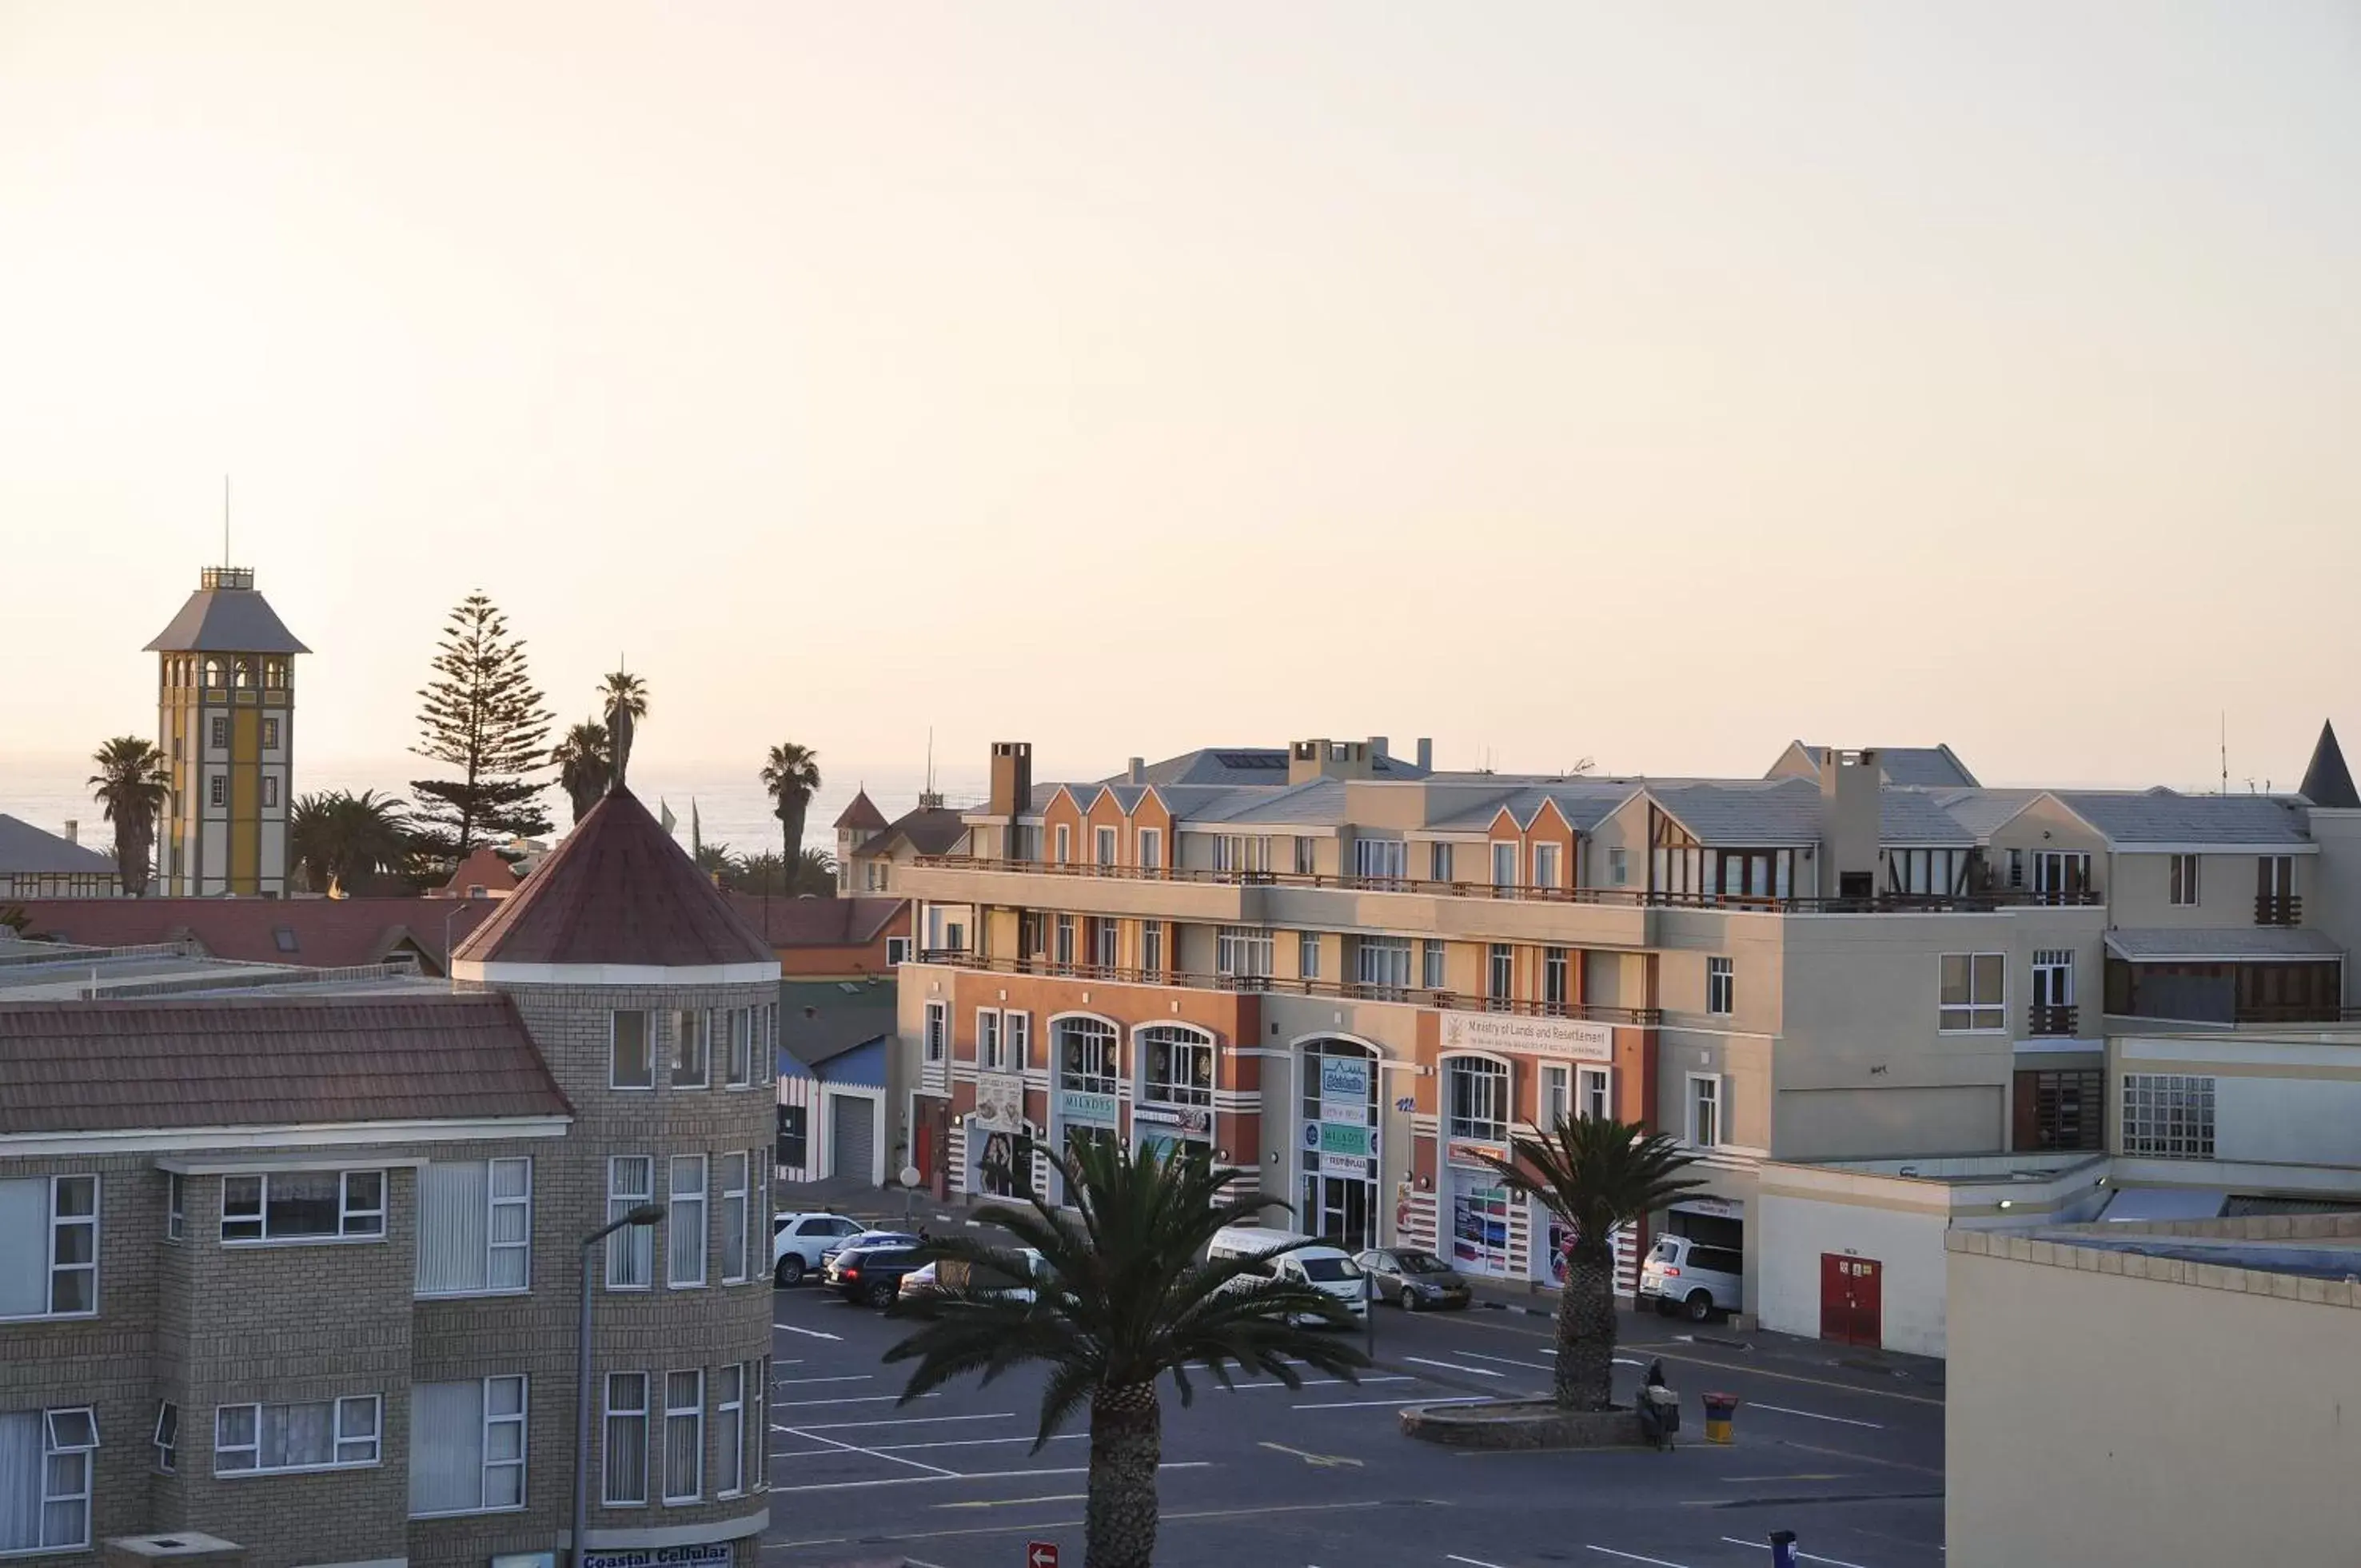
1745 812
1916 816
1925 766
226 620
26 849
1314 803
821 1020
1248 765
2224 944
1982 811
2166 817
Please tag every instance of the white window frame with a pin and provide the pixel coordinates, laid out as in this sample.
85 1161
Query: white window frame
217 789
1594 1092
692 1030
693 1413
1307 855
1151 946
1692 1102
55 1226
1720 987
1381 861
897 951
614 1412
647 1047
176 1206
1244 952
1557 980
1618 866
1102 1052
1491 1069
1017 1039
1151 848
166 1438
729 1417
1107 845
1061 949
987 1040
697 1197
1065 843
1499 995
737 1022
368 1445
347 1211
1439 858
76 1484
2169 1115
1186 1047
1548 860
1434 964
1975 1015
1307 955
938 1030
496 1204
2053 961
735 1179
2185 881
1557 1095
1504 865
1383 963
518 1423
1106 944
641 1239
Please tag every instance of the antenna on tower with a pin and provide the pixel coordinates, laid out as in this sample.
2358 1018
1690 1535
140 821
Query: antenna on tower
2225 750
225 520
928 799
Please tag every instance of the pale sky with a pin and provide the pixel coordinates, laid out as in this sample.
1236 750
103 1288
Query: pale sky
1648 383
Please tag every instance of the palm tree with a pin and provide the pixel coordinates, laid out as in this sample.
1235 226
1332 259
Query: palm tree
791 774
715 860
1594 1174
133 784
337 837
624 698
584 765
814 874
1126 1302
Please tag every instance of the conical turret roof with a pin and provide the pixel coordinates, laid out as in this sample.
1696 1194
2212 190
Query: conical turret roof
863 814
2328 782
618 894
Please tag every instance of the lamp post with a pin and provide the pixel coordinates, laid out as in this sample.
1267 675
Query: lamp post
450 976
645 1214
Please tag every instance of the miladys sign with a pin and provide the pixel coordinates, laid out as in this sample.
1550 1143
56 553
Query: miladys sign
1535 1036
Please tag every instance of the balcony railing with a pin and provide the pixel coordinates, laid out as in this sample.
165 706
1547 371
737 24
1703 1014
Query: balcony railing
1278 985
1623 897
2277 909
2050 1018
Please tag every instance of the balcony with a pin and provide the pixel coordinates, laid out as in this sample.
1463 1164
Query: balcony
1274 985
2277 909
2051 1018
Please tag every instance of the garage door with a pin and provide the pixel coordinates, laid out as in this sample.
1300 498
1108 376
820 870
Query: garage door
853 1135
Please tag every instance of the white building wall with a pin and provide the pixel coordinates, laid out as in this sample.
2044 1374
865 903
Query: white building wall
1906 1243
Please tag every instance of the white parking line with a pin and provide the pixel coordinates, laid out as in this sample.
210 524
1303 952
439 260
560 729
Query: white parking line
1504 1361
1631 1556
848 1377
977 1441
1816 1416
1833 1561
976 1476
838 1446
1320 1383
1389 1404
1471 1561
848 1399
813 1333
900 1421
1451 1366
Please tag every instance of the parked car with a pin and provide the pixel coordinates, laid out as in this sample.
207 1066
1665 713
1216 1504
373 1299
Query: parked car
872 1275
799 1243
869 1238
958 1273
1324 1267
1685 1275
1414 1278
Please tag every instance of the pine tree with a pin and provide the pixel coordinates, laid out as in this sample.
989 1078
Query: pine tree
482 714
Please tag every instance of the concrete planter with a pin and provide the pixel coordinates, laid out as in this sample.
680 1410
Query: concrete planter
1510 1424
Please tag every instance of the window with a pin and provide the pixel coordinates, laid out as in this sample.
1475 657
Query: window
758 1424
44 1472
1974 994
630 1252
1705 1109
1151 848
176 1206
738 1024
269 790
475 1226
2053 991
1546 863
1241 952
897 950
1104 843
2062 873
626 1441
1307 954
1556 978
629 1066
1086 1055
1151 946
1476 1098
217 789
2016 868
1307 857
728 1430
1238 853
323 1434
1499 977
269 737
1382 859
219 728
303 1205
684 1447
2168 1115
1618 866
1438 860
793 1136
167 1437
1557 1096
1504 865
1933 873
735 1206
1063 954
1385 964
938 1024
987 1039
2275 900
1065 842
1720 987
689 1040
1176 1066
1025 842
283 939
1431 964
2184 879
2060 1110
1105 952
1016 1033
685 1224
467 1446
1594 1092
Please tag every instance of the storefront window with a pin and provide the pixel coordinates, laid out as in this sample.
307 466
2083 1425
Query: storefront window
1338 1149
1479 1228
1176 1065
1086 1055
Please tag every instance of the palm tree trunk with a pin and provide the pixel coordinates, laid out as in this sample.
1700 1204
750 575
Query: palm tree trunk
1127 1444
791 827
1586 1330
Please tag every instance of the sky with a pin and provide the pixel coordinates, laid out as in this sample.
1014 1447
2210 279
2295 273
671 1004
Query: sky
1649 384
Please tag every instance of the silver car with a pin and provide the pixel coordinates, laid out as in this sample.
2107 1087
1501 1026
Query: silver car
1414 1278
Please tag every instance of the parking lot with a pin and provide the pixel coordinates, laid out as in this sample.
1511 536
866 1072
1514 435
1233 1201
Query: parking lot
1850 1459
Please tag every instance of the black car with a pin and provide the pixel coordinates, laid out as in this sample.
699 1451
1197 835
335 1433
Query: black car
872 1275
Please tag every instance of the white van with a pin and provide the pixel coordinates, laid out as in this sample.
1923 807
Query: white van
1684 1275
1312 1263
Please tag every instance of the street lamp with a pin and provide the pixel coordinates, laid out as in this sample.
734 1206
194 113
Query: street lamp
645 1214
449 975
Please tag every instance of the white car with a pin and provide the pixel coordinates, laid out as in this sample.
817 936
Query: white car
1324 1269
798 1242
922 1279
1682 1275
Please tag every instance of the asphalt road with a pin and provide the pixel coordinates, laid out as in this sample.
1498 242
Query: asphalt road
1850 1459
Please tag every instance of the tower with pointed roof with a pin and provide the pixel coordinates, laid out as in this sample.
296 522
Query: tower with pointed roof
225 722
2327 781
857 823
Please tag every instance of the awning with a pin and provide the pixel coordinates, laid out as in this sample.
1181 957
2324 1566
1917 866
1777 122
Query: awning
2227 945
2165 1203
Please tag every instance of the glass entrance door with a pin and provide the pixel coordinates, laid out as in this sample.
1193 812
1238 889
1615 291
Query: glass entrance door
1341 1210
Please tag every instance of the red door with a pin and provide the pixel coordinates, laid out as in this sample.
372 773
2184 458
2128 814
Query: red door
936 1165
1851 1300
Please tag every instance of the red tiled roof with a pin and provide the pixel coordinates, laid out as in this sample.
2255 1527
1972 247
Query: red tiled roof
98 1066
861 814
325 933
818 922
616 891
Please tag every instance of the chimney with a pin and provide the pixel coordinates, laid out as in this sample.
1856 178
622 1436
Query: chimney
73 831
1012 777
1137 768
1325 759
1377 747
1425 754
1849 823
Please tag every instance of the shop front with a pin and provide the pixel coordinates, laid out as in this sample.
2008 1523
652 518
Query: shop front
1086 1105
1173 1104
995 1131
1337 1151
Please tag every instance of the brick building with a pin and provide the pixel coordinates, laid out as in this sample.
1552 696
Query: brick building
297 1273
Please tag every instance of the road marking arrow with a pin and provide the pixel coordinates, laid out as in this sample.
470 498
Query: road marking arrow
1324 1461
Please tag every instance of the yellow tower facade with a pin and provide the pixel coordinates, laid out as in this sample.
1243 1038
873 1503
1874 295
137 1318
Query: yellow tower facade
225 710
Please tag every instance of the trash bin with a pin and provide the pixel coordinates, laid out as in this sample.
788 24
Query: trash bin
1783 1548
1718 1409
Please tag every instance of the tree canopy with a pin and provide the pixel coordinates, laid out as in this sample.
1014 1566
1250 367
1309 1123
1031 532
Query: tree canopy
482 714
